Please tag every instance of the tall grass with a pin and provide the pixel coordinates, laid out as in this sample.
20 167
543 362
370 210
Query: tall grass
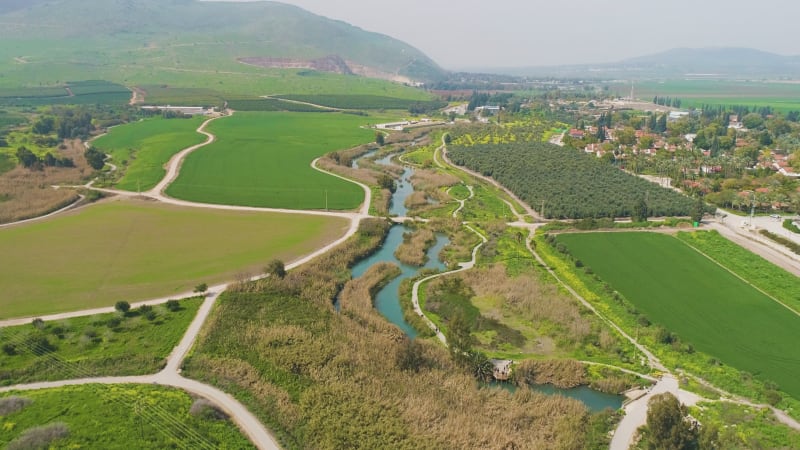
327 380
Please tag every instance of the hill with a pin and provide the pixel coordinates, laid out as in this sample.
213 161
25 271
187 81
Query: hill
129 39
716 62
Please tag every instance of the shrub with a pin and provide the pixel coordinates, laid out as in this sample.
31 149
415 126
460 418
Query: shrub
150 315
113 322
38 323
9 349
10 405
206 410
200 288
39 437
122 307
173 305
275 268
144 309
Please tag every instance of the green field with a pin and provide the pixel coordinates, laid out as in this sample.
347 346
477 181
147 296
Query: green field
263 159
705 305
72 93
782 97
131 250
121 417
366 102
141 149
113 344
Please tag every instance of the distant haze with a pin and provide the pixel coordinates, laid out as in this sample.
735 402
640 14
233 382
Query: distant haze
518 33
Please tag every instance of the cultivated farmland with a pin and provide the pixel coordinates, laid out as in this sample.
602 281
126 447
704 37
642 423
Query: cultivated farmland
263 159
570 183
692 296
141 149
134 250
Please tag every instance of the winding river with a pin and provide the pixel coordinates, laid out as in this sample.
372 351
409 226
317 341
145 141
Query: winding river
387 300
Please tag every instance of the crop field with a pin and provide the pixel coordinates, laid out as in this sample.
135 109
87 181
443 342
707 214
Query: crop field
120 417
365 101
704 304
133 250
136 343
264 159
780 96
72 93
272 104
141 149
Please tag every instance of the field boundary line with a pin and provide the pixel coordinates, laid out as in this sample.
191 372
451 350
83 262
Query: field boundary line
776 300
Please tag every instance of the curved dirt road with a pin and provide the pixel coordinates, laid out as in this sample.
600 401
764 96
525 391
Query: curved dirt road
170 375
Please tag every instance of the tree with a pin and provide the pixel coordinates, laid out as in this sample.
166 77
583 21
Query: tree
173 305
667 426
26 157
201 288
95 158
752 121
275 268
699 210
458 336
380 139
640 211
447 138
387 182
45 125
123 307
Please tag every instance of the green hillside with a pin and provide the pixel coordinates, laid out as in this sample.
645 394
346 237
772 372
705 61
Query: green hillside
189 43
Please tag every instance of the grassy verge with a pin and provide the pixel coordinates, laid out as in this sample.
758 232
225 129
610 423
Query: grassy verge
104 345
739 426
135 250
120 417
788 243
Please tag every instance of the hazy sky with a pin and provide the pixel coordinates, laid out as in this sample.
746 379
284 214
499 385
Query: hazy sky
513 33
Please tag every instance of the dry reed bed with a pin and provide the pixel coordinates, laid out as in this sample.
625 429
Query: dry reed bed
326 380
26 193
415 246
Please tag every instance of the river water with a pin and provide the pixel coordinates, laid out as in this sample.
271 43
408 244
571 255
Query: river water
387 300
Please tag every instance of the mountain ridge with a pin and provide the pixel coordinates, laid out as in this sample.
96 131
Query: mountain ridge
246 30
722 62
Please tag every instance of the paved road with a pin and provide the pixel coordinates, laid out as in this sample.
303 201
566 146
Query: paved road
636 411
767 249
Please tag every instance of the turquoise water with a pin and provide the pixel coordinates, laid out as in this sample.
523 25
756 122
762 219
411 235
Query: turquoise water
596 401
397 206
387 301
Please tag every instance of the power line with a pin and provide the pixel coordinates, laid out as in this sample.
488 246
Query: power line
158 417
